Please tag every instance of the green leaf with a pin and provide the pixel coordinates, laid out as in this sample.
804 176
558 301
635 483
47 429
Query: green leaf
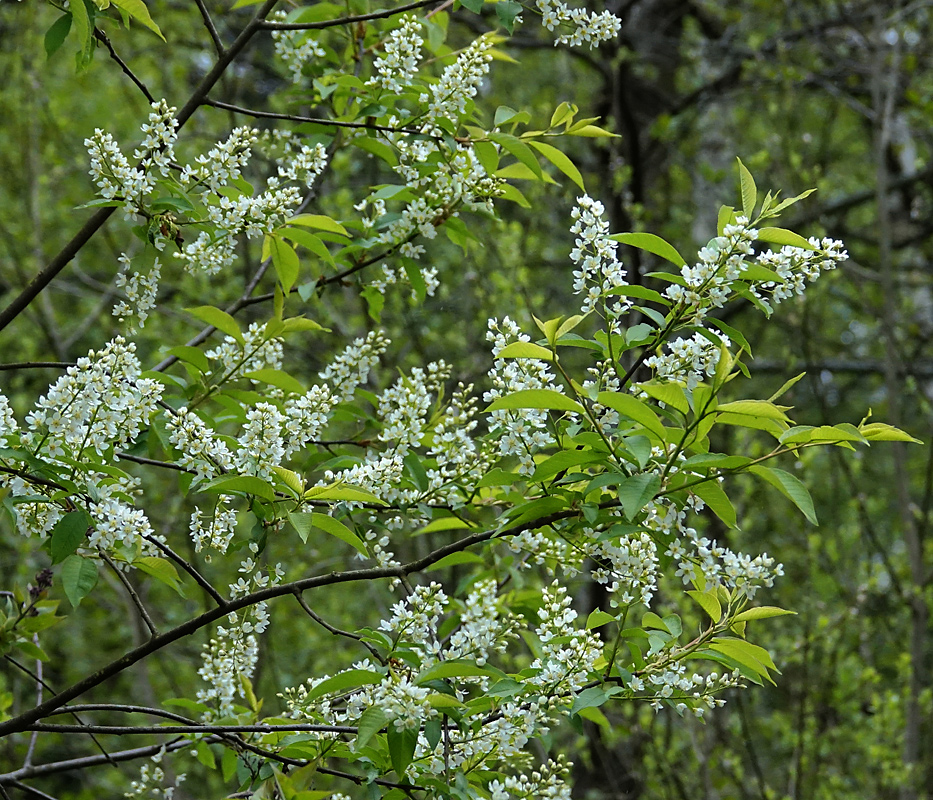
711 493
240 484
782 236
191 355
276 377
565 112
162 570
56 35
476 6
68 534
880 432
749 190
761 612
525 350
598 618
739 651
341 492
563 461
790 487
785 387
455 559
671 394
726 216
371 721
635 492
634 409
219 319
561 161
790 201
519 149
285 261
336 528
652 244
319 222
507 11
457 668
536 398
138 11
350 679
589 698
591 132
84 31
709 603
79 577
652 620
508 192
402 745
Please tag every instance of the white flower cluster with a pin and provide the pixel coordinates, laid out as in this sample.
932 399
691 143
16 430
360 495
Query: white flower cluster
397 68
454 449
116 522
628 568
485 627
140 291
458 83
255 353
305 418
223 163
415 619
796 266
599 270
8 424
199 448
261 445
253 216
549 783
404 406
149 785
100 403
351 368
295 48
299 162
218 530
669 681
589 28
523 431
689 360
567 653
234 653
721 261
111 171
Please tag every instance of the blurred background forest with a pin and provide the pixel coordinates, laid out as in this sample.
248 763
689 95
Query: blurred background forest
836 95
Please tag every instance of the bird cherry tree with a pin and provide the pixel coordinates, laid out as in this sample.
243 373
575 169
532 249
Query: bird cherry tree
584 454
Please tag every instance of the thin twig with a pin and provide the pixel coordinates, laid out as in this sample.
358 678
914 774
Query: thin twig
25 787
132 730
37 365
153 631
105 40
333 23
40 684
336 631
46 275
187 567
211 28
252 112
152 462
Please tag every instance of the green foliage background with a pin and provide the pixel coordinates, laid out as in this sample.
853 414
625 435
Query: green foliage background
835 95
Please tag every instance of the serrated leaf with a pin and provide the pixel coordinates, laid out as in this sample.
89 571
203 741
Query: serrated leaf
561 161
162 570
711 493
278 378
519 149
79 577
241 484
709 603
564 460
402 745
598 618
55 36
138 11
536 398
285 261
634 409
525 350
761 612
790 487
191 355
372 721
725 217
319 222
671 394
342 493
591 132
593 697
219 319
342 681
881 432
651 244
507 11
782 236
749 190
636 491
785 387
336 528
457 668
68 534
